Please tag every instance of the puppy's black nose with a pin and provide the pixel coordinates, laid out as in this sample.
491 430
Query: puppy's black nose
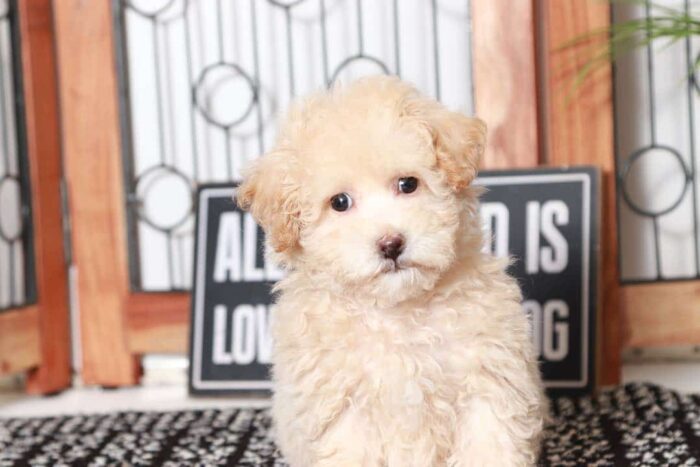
391 246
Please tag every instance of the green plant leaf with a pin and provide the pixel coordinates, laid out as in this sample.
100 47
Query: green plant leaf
605 45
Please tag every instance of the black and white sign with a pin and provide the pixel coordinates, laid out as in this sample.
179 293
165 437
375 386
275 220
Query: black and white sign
547 220
230 341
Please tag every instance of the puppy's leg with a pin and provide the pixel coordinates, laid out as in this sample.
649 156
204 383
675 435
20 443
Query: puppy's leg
500 418
317 432
348 443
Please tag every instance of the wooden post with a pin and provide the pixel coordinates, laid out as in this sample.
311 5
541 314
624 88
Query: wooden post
579 129
505 87
44 154
89 111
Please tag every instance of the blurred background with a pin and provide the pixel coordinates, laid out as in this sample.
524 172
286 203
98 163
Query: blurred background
112 112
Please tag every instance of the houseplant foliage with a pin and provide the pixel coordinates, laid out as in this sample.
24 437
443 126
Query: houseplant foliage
666 23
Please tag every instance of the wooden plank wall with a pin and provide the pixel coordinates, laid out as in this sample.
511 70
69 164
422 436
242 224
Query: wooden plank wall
578 129
89 111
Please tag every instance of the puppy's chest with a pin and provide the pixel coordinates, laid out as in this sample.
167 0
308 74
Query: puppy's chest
408 361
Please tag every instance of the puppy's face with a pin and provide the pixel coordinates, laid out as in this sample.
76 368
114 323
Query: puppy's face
366 188
381 217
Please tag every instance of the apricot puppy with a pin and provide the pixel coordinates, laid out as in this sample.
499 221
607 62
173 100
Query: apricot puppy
397 342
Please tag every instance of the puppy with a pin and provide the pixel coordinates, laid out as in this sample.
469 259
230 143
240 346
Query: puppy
397 342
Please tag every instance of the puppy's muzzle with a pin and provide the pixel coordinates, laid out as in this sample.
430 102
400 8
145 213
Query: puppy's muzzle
391 246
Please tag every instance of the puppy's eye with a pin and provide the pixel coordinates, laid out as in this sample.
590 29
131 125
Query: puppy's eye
341 202
407 184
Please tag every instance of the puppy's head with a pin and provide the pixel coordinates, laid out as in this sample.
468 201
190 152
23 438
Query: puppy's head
366 188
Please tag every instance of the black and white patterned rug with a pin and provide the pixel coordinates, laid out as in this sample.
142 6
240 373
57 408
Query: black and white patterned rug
637 424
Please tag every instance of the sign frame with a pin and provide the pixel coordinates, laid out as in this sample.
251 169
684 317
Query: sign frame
588 177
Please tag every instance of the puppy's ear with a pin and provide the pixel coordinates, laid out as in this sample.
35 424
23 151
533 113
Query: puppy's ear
459 143
458 140
270 191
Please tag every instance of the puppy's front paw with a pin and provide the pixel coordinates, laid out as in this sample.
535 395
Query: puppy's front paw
484 439
494 455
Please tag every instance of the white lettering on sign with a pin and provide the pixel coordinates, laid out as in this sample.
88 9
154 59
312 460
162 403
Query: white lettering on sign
495 218
227 266
555 257
235 257
220 355
550 328
249 329
543 219
250 244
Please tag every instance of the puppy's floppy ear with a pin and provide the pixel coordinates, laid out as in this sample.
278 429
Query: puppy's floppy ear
459 143
270 191
458 140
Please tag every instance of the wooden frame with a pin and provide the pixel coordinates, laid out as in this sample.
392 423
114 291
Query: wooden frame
19 340
117 324
661 314
37 337
526 122
158 322
577 128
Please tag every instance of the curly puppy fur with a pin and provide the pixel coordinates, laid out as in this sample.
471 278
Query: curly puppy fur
423 362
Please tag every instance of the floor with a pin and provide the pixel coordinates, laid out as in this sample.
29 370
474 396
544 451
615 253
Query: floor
164 388
93 400
167 390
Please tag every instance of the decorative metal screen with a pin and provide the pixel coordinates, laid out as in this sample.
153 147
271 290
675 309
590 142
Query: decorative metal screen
657 131
203 82
16 249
